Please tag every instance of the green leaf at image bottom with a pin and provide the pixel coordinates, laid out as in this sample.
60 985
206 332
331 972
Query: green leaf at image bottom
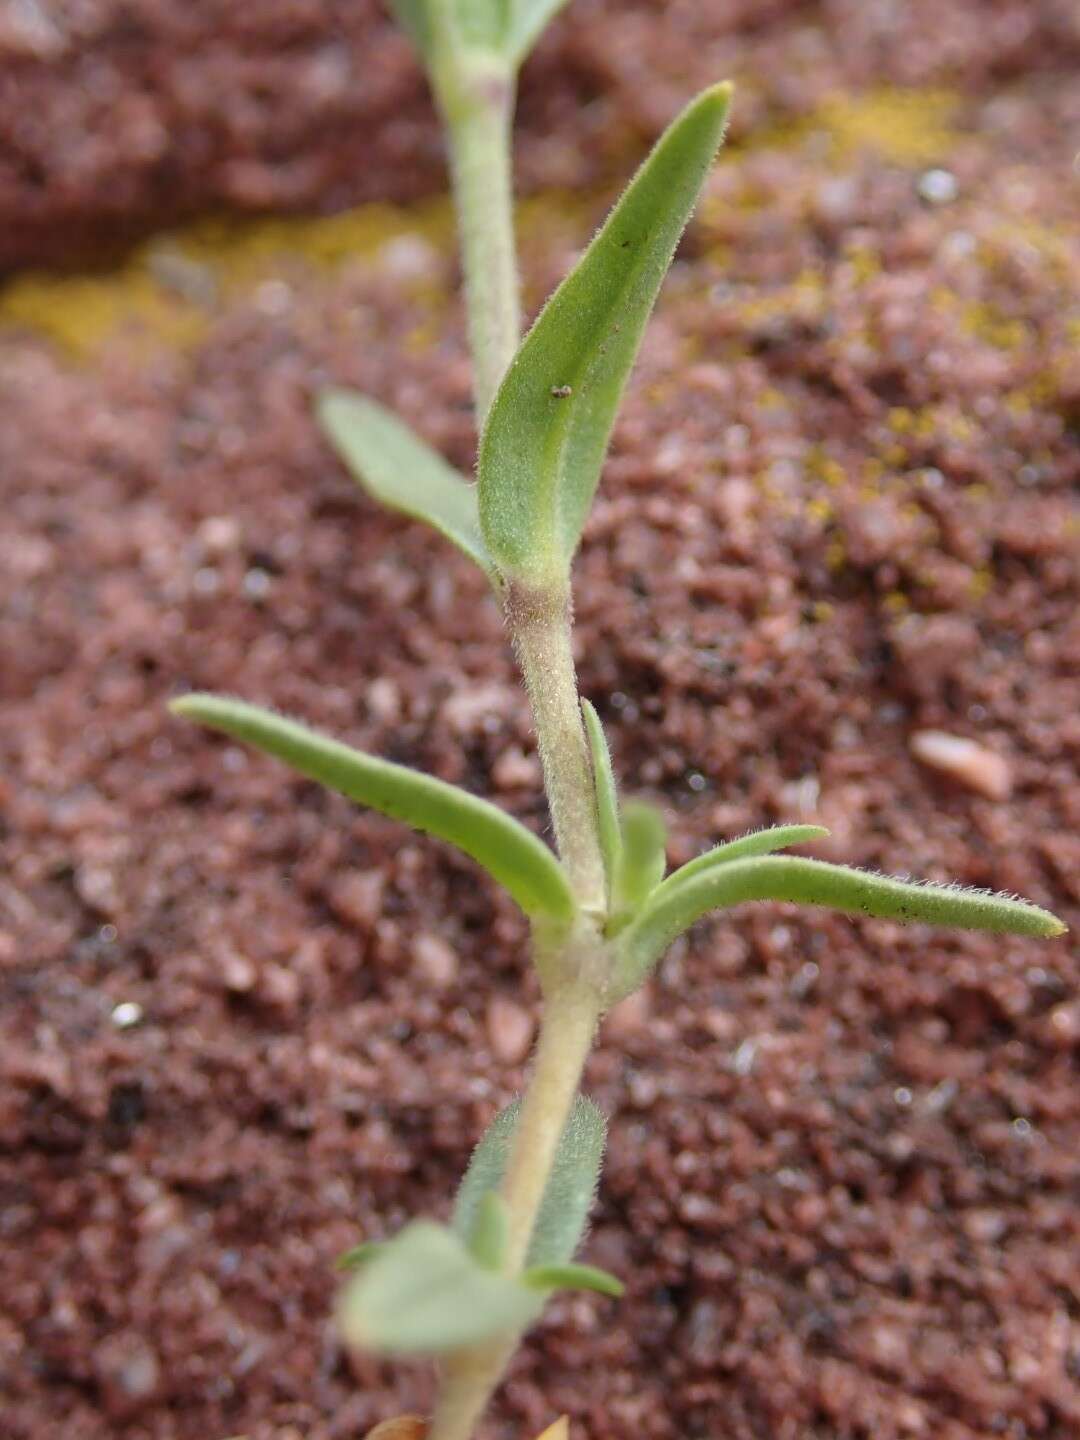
423 1293
514 856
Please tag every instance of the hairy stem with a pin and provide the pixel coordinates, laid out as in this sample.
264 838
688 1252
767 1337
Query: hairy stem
477 101
540 624
566 1036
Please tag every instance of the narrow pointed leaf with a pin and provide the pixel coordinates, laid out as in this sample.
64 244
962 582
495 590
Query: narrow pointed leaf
607 798
528 19
677 903
514 856
403 473
358 1255
571 1187
758 842
573 1277
548 428
490 1231
425 1294
640 869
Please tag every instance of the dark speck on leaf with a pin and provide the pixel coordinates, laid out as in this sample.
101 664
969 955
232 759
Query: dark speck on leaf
561 392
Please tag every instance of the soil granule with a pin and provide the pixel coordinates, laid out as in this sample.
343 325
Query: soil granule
243 1023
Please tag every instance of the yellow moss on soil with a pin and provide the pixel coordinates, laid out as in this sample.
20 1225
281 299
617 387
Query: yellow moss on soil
169 289
906 126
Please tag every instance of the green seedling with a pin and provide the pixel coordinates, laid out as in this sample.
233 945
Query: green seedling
600 909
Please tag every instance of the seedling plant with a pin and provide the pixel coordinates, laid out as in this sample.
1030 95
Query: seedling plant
602 912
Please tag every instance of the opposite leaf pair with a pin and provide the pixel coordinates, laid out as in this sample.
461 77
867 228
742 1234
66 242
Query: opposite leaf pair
544 442
434 1289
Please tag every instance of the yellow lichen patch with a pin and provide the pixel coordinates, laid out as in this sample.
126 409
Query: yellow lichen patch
986 322
803 299
169 288
820 466
908 126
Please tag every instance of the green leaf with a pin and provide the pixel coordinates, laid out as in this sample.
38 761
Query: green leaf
514 856
425 1294
607 798
548 428
528 19
573 1277
411 15
641 864
402 473
358 1255
570 1189
758 842
482 24
677 903
490 1231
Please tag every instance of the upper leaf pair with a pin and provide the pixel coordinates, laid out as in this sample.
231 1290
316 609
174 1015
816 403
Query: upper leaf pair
545 438
507 28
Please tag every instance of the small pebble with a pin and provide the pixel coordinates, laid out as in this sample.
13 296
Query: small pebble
127 1014
510 1030
630 1016
435 960
966 761
937 187
514 770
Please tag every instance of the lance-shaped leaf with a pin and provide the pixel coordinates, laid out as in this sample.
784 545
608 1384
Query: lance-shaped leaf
570 1190
424 1293
514 856
573 1277
758 842
640 867
548 428
607 796
678 902
402 473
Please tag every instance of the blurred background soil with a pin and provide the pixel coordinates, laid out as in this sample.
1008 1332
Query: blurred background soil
243 1024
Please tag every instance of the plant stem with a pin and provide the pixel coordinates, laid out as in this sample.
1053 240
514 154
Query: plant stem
540 624
476 95
566 1036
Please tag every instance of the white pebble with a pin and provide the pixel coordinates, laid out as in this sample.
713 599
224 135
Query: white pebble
938 187
127 1014
966 761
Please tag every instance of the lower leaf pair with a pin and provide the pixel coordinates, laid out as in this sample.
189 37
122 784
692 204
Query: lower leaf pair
434 1289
